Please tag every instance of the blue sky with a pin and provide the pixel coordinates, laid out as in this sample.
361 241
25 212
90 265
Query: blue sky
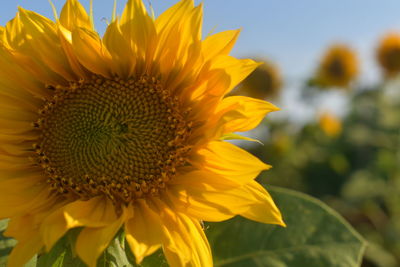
292 33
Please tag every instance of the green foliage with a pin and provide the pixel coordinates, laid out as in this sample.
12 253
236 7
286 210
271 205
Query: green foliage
6 244
115 255
315 236
357 172
62 254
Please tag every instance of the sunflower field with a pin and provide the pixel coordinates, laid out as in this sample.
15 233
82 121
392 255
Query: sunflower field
150 143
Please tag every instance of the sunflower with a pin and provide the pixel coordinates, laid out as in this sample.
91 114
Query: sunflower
124 131
264 82
338 67
388 54
330 124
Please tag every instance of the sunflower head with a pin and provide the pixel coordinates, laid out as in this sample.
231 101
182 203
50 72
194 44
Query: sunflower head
388 54
338 67
264 82
330 124
124 131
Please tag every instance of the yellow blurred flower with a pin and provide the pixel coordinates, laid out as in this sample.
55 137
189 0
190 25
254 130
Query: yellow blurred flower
282 143
338 67
388 54
330 124
124 131
264 82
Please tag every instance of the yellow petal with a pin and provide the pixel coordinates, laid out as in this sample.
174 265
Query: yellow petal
41 37
143 231
12 112
73 15
16 138
204 98
178 28
229 161
123 57
90 51
96 212
185 69
233 136
25 229
139 29
15 127
240 113
9 163
25 250
185 242
219 44
15 89
92 242
232 114
21 194
2 33
14 36
203 196
22 225
31 105
219 76
264 210
65 37
16 150
21 79
53 228
236 69
196 207
172 15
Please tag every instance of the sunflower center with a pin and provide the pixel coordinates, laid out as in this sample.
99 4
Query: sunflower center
121 138
393 59
336 68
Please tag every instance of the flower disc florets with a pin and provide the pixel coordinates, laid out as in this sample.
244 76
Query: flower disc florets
122 138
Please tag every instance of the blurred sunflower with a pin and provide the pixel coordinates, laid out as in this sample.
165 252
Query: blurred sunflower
330 124
338 67
264 82
124 131
388 54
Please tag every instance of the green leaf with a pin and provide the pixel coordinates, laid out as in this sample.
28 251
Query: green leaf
32 262
115 255
315 236
62 253
6 244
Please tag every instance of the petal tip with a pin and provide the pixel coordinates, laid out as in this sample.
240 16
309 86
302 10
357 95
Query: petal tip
266 166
